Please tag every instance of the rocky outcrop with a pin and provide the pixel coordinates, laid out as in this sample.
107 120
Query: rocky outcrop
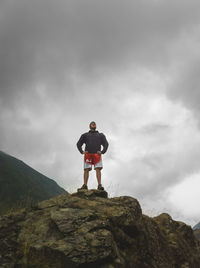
88 229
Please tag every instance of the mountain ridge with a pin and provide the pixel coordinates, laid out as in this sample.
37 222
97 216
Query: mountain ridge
21 185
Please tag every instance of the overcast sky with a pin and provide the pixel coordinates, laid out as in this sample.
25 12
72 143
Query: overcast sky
132 66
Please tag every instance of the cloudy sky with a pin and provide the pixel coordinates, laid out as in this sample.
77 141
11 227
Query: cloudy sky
133 66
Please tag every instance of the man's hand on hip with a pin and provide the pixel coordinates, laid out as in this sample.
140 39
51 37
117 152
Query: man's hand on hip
99 152
85 152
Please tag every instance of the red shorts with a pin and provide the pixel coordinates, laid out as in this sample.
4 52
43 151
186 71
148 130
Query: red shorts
92 159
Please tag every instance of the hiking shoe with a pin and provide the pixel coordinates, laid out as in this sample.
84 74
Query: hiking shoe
84 187
100 187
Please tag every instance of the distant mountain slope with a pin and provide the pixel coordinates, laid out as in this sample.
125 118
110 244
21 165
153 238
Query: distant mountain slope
197 233
196 230
197 226
21 185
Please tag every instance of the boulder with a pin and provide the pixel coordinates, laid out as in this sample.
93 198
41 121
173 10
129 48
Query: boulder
88 229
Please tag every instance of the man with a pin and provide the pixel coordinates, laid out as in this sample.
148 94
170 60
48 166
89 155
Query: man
92 153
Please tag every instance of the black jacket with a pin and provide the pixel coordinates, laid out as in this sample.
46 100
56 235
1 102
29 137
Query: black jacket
93 141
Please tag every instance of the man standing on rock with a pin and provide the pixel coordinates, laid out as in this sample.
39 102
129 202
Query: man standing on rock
92 153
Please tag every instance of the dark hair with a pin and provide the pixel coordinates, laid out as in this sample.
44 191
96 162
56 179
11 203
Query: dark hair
91 123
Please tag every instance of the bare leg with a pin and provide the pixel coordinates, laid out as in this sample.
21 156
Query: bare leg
98 174
86 176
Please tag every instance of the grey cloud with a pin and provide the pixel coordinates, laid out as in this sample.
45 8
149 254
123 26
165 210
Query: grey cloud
47 41
151 176
153 128
186 86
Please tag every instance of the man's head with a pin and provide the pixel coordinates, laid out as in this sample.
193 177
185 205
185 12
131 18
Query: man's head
92 125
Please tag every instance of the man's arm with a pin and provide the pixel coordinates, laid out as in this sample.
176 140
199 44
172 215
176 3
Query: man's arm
104 142
80 143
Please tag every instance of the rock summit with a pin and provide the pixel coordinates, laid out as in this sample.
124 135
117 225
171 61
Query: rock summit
88 229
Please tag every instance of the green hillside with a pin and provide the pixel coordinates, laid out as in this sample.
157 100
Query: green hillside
21 185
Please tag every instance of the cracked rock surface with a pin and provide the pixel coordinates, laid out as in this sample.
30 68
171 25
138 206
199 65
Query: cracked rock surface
88 229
